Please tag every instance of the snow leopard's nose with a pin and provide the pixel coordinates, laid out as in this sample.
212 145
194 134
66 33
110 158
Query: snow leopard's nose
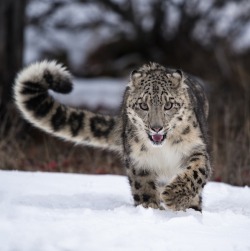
156 129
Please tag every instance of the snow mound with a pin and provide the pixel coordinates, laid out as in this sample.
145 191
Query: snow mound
45 211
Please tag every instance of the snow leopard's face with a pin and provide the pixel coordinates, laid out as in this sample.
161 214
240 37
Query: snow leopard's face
156 101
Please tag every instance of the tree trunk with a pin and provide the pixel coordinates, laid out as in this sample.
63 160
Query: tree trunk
12 19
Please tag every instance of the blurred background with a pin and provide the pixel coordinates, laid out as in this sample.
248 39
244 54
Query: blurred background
101 41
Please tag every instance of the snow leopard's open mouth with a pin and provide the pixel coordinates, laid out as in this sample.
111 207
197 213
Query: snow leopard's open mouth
157 139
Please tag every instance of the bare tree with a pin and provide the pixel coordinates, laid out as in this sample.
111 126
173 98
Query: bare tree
12 20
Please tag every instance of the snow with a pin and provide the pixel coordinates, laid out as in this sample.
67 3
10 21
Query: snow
49 211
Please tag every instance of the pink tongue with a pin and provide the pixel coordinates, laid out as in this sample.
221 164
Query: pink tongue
157 137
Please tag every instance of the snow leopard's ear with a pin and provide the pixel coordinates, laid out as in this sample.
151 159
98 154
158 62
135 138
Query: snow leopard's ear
135 77
135 74
175 79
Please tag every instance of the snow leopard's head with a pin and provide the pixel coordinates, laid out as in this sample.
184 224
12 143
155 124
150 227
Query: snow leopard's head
156 101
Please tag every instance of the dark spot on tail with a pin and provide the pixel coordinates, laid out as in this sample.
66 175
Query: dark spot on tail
44 108
48 78
58 120
31 88
101 127
61 84
33 103
76 122
64 86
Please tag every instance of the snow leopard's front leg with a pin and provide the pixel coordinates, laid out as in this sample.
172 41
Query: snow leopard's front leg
185 191
143 188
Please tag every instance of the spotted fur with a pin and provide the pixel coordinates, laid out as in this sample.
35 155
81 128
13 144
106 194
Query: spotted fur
161 132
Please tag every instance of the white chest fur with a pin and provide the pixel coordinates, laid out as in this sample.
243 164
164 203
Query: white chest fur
165 161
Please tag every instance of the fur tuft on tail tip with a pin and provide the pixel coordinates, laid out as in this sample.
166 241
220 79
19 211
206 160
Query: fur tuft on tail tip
42 76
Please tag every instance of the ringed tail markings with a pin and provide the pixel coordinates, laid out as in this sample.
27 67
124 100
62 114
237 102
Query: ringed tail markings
32 97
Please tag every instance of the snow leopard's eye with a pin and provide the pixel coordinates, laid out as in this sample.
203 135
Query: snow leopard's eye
168 106
144 106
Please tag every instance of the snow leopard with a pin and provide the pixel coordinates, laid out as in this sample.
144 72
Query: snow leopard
160 132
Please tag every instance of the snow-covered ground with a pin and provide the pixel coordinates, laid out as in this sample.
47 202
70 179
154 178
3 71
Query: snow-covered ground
46 211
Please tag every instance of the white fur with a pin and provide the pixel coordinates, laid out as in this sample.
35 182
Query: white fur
35 71
165 160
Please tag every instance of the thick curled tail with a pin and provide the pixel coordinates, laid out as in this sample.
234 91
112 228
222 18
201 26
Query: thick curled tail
41 76
32 85
42 110
33 99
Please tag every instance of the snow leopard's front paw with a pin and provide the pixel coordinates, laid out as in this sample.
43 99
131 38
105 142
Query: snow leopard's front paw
178 195
152 205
